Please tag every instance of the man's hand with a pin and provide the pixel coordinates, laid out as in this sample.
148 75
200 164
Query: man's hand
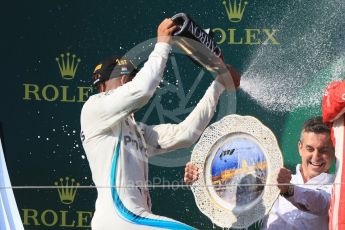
190 173
230 80
284 177
165 30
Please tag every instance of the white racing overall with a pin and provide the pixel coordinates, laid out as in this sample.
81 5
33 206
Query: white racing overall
118 148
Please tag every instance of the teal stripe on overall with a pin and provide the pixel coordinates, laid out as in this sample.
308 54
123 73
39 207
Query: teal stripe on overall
127 214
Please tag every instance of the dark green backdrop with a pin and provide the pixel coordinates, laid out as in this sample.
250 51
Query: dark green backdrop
282 83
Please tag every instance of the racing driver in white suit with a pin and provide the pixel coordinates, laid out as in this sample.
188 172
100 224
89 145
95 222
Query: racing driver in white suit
117 147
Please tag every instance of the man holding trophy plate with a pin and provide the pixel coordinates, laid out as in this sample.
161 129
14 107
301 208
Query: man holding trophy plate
240 161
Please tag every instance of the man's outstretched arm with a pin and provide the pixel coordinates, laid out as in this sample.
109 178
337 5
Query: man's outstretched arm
110 107
168 137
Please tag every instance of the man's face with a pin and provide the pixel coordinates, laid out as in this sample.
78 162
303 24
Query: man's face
316 152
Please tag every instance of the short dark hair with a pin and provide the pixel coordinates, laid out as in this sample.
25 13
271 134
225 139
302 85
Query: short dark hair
315 125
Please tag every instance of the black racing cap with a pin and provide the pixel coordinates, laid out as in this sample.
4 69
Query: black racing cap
113 67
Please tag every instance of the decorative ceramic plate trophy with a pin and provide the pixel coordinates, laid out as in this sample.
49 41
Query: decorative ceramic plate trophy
238 158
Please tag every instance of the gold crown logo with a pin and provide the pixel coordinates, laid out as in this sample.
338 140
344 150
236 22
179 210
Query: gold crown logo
235 9
68 65
67 190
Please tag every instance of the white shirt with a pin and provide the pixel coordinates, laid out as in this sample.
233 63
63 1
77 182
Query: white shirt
313 197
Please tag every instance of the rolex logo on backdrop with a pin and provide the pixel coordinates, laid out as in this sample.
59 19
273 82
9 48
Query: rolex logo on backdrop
67 68
236 11
67 190
68 65
54 217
